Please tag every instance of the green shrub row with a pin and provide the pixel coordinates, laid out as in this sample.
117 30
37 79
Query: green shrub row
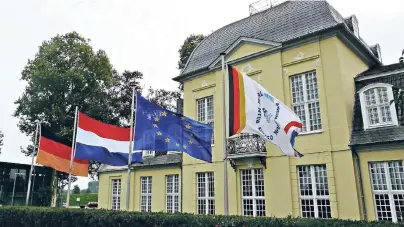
60 217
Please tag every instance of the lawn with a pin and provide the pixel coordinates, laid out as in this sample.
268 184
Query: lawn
84 199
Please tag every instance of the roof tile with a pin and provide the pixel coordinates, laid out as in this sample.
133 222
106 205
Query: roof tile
384 134
166 159
281 23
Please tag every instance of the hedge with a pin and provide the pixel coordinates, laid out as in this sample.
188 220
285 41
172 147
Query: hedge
62 217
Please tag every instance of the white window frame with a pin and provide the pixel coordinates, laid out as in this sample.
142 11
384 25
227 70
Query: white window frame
148 153
254 196
206 120
389 190
207 196
147 195
393 113
314 195
173 194
306 102
116 197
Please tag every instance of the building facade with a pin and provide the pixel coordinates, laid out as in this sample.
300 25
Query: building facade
306 55
14 184
378 142
155 184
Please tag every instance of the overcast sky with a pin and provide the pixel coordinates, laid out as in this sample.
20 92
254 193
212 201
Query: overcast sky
144 35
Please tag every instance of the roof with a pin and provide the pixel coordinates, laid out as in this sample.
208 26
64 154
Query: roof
20 164
282 23
389 74
378 70
164 159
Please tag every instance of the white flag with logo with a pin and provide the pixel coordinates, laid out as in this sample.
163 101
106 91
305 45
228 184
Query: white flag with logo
252 109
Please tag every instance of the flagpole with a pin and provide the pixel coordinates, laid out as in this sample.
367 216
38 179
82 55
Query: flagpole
226 185
32 164
130 149
72 157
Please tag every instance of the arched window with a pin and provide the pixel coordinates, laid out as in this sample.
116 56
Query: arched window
375 104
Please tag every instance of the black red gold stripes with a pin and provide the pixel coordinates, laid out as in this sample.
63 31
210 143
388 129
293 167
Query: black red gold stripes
237 112
55 152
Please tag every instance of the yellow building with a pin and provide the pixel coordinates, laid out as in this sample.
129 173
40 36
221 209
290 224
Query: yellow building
377 143
155 184
306 55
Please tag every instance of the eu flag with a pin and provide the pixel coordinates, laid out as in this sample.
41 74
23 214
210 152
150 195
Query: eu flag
158 129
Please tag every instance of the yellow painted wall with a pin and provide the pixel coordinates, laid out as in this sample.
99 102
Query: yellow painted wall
324 158
350 66
105 189
335 66
158 187
246 49
190 196
278 187
375 156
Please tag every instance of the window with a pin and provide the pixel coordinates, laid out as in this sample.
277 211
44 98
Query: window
205 112
314 194
206 193
305 101
172 192
388 190
146 194
253 192
148 153
116 194
375 105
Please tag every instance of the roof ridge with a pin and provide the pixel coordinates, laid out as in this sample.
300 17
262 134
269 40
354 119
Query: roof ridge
335 13
254 15
281 23
228 25
270 9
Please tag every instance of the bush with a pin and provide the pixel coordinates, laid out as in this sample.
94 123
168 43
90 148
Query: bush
60 217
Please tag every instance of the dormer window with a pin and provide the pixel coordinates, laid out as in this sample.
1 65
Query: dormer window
375 104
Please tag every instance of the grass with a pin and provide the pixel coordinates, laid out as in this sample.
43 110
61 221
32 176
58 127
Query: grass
84 199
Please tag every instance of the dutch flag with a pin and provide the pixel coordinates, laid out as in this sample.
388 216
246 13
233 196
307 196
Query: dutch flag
103 142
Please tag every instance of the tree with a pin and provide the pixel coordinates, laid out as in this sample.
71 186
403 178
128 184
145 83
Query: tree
163 98
185 51
66 72
187 47
76 189
398 93
43 196
121 93
1 140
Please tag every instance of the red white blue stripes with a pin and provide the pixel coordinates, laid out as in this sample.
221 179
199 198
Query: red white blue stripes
103 142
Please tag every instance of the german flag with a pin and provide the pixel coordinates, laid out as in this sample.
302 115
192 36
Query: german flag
237 114
55 152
